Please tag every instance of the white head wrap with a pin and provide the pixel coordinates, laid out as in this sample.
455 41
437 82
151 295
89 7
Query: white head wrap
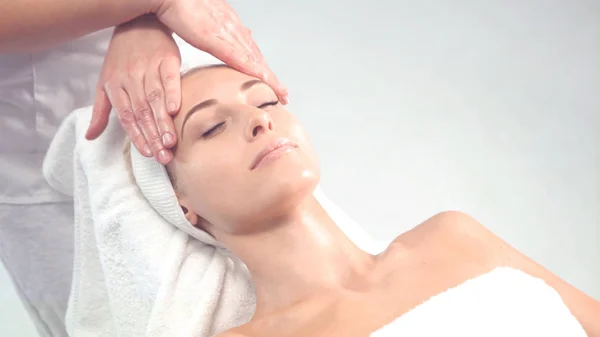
154 183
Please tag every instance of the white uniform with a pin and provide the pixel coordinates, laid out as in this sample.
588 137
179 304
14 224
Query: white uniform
37 90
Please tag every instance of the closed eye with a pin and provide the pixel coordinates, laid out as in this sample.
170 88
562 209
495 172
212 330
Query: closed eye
264 105
212 130
218 126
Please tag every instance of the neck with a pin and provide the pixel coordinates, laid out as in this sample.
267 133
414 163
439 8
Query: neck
303 254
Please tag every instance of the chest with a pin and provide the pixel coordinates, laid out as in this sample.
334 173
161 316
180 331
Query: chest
394 292
502 302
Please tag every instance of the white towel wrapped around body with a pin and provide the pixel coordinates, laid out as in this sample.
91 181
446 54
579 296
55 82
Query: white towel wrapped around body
504 302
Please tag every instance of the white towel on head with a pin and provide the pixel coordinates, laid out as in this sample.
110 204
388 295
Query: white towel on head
155 185
504 302
135 274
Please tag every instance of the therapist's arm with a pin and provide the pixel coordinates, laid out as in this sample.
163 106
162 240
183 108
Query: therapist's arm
33 25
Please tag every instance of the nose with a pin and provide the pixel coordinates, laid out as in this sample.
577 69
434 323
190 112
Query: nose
259 123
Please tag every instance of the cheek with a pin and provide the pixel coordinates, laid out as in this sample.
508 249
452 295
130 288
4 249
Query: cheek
300 135
212 184
296 132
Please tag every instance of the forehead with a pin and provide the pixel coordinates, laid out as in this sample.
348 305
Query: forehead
211 83
221 83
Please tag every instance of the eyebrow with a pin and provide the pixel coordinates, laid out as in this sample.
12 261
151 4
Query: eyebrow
210 102
249 84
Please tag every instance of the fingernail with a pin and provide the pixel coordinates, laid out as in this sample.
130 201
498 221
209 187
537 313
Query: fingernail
164 156
147 150
285 100
172 107
168 139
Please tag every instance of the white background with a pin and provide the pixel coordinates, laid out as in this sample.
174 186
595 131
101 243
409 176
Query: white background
415 107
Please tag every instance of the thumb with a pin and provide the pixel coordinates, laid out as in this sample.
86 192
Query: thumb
100 114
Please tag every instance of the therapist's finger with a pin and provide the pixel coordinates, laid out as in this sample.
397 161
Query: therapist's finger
156 98
245 56
253 62
171 80
147 121
122 103
235 46
100 114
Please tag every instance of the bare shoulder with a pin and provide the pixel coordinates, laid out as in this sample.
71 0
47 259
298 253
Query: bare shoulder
457 234
466 248
453 223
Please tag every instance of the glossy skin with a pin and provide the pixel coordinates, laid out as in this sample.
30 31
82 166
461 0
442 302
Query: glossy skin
140 76
216 167
269 218
442 252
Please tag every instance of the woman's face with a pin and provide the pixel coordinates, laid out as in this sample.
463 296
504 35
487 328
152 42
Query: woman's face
241 158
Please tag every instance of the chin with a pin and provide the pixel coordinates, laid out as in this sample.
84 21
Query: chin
275 198
285 192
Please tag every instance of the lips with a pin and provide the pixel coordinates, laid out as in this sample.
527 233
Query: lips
271 149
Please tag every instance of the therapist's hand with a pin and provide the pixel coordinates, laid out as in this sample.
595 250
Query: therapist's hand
140 78
214 27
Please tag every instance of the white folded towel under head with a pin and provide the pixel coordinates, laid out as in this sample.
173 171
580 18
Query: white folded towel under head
135 274
504 302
